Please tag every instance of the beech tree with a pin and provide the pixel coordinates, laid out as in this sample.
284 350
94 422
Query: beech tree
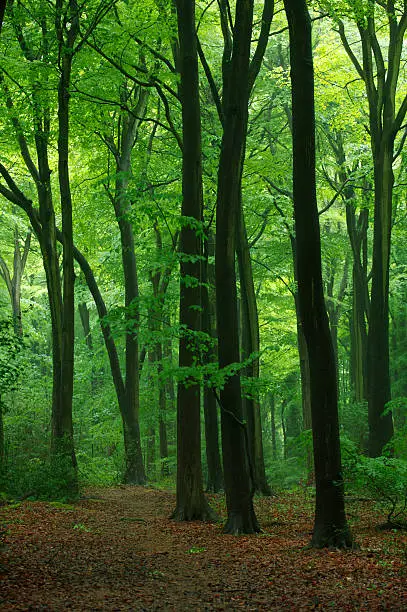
379 66
61 299
238 470
191 503
330 525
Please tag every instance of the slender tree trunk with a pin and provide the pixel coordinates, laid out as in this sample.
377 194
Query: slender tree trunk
213 458
238 471
190 500
62 425
330 526
380 74
150 454
251 350
272 407
13 283
378 361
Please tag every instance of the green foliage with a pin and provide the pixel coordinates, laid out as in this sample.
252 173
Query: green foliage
10 365
37 478
382 478
285 474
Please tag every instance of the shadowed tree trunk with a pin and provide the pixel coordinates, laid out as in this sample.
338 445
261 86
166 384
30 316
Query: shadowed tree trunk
213 459
238 473
251 350
2 11
62 426
190 500
357 231
330 526
129 406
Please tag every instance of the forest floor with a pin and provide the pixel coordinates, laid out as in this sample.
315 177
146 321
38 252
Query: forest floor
117 549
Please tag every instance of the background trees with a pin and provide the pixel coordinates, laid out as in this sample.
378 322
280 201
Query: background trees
103 90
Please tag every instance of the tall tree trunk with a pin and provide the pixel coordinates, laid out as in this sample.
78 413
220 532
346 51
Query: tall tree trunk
251 351
380 75
130 404
190 500
378 352
62 425
330 526
235 447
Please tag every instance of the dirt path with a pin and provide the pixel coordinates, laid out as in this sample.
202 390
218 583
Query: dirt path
117 550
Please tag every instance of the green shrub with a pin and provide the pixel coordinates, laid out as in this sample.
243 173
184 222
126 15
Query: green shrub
385 480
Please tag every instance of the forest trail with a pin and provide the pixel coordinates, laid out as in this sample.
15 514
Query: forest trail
117 550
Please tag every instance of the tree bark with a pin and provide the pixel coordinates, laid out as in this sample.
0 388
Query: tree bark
62 425
251 351
235 448
134 471
190 500
330 525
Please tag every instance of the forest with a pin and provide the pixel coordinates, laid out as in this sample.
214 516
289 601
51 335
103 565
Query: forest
203 295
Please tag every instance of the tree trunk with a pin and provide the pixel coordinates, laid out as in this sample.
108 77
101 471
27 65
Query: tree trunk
213 459
13 284
238 472
150 459
330 526
378 361
380 75
251 351
272 407
62 424
190 500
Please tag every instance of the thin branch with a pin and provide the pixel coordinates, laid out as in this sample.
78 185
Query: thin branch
266 20
351 55
333 200
262 228
211 81
280 190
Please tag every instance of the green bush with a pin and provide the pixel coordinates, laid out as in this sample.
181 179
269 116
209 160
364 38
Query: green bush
385 480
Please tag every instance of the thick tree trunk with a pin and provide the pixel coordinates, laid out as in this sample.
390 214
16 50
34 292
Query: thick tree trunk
190 500
330 526
238 471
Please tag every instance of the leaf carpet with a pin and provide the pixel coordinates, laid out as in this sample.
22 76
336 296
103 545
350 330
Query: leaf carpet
117 549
